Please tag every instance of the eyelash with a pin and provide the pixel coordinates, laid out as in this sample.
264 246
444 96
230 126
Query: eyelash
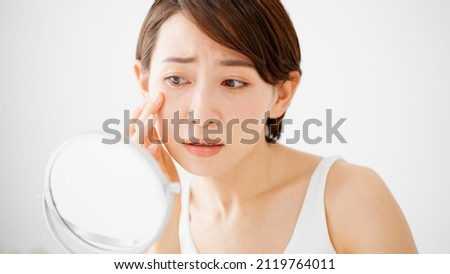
171 80
243 84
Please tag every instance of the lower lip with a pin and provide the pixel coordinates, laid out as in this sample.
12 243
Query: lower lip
203 151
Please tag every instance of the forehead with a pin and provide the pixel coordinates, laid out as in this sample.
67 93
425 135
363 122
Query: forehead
179 36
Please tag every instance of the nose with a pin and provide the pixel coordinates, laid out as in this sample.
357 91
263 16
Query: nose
204 110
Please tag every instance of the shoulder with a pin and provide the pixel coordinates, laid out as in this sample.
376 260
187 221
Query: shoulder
362 214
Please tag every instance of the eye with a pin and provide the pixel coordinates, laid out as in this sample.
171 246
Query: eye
234 84
177 80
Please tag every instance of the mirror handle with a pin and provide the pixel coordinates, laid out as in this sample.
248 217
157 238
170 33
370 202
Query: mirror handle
174 188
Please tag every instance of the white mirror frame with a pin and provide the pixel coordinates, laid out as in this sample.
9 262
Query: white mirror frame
91 241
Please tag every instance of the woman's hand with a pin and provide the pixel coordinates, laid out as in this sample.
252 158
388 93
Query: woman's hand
169 240
150 139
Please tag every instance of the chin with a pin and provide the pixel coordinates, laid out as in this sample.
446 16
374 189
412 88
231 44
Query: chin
212 166
202 167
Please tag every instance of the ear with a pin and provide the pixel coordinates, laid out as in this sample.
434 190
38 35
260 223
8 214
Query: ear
142 79
284 94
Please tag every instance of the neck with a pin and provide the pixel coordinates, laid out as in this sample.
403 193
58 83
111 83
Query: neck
242 183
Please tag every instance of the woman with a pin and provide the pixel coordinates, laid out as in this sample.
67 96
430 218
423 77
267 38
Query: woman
213 69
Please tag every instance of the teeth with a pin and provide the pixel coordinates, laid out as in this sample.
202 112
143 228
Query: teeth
198 144
201 144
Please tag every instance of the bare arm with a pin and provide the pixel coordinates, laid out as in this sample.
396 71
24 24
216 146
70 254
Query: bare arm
168 242
362 214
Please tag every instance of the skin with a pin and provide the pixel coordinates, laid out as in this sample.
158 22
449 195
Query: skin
248 186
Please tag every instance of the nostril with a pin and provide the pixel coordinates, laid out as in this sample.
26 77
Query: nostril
202 120
191 118
212 122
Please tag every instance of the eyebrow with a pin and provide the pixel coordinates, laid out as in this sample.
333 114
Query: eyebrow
179 60
236 63
226 63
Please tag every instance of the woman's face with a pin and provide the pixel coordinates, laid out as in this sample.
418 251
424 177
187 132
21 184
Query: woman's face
203 80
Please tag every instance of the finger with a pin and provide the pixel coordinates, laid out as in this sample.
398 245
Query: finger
149 128
165 162
134 115
149 110
152 149
171 170
151 107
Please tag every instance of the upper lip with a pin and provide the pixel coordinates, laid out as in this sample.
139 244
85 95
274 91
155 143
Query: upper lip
201 142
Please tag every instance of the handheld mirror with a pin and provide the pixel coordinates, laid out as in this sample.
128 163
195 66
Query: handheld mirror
102 198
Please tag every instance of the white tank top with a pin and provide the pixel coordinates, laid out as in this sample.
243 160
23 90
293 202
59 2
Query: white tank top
310 234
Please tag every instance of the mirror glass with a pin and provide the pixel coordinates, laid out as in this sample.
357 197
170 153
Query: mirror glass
103 198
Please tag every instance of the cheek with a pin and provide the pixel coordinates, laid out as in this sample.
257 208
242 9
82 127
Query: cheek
171 103
164 119
254 105
249 110
173 109
251 113
174 106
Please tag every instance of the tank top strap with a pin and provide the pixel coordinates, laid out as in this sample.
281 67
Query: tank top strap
311 231
186 243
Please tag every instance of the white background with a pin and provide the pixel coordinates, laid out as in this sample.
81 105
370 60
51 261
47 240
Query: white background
66 66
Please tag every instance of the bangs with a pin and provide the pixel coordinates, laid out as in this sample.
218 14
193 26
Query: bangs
249 30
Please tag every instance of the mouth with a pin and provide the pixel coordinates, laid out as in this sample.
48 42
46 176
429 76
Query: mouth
201 143
203 149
